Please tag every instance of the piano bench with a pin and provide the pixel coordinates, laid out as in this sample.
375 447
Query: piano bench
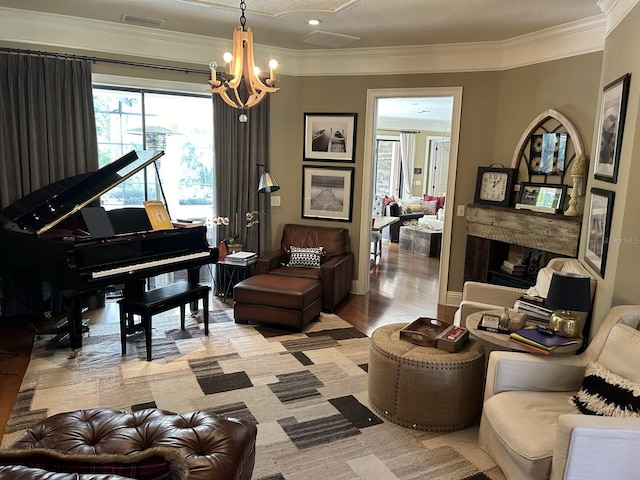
158 301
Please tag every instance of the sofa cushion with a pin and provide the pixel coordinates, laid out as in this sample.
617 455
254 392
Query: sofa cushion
621 352
606 394
302 272
526 422
334 240
304 257
156 463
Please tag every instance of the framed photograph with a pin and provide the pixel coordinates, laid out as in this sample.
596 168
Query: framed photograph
327 193
611 127
330 136
541 197
599 229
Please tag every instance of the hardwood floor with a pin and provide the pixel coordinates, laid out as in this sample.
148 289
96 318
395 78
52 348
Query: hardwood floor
403 287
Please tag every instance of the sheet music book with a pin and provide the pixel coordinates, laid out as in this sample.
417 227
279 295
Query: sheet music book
97 222
158 215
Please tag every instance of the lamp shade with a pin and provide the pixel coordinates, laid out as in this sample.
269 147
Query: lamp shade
267 183
569 291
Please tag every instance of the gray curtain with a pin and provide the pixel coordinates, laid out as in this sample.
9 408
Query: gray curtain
47 133
47 124
239 148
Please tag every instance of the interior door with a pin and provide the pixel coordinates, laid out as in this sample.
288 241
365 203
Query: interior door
439 167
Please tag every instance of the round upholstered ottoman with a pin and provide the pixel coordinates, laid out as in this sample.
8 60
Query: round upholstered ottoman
422 387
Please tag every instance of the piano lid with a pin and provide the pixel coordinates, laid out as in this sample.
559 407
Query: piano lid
45 208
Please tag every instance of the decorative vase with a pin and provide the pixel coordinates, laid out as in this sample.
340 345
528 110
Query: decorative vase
222 250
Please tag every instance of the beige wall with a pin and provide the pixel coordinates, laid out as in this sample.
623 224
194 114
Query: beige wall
496 108
620 283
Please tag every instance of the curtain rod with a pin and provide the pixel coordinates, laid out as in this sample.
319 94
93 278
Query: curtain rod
68 56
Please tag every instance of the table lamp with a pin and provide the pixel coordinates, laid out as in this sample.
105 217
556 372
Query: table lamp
568 293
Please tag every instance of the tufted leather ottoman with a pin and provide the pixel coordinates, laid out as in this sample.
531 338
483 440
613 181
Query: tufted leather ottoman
213 446
277 299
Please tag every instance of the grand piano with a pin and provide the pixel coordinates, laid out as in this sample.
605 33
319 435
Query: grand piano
48 233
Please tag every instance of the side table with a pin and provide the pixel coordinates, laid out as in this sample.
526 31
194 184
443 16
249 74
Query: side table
500 341
229 274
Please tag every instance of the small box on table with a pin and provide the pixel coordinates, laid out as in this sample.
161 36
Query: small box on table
452 339
430 332
424 331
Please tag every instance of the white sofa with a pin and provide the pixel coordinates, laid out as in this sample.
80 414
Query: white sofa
532 431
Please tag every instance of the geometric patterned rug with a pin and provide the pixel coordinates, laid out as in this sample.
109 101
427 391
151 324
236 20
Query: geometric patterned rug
307 393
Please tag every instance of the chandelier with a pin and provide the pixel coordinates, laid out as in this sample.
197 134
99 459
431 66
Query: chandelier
241 86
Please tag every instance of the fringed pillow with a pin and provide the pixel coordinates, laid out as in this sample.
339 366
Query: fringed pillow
606 394
305 257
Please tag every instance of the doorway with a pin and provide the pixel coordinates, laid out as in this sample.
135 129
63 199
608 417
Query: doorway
371 128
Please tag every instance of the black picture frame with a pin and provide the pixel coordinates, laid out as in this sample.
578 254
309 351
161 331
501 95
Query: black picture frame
327 193
509 172
541 197
599 229
613 110
330 137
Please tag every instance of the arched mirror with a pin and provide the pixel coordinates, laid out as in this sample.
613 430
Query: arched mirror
548 146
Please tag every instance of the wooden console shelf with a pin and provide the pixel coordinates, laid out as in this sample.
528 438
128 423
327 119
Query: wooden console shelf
491 230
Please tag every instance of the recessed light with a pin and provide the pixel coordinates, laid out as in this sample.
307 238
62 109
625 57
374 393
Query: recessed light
314 22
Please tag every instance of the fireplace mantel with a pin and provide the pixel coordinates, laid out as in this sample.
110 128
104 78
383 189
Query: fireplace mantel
491 230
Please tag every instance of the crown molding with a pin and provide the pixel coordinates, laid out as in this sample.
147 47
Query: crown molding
151 44
615 11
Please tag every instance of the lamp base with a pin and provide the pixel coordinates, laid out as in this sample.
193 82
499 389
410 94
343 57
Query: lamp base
565 324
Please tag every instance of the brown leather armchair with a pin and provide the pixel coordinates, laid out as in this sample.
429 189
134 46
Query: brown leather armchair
336 270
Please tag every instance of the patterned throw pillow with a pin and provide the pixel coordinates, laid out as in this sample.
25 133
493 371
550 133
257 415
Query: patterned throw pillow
305 257
606 394
433 197
429 207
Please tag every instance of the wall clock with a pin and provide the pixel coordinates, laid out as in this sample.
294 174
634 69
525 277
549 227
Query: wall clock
493 186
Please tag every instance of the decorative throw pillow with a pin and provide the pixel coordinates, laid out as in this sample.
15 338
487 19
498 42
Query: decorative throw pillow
155 463
413 208
606 394
429 207
388 200
433 197
305 257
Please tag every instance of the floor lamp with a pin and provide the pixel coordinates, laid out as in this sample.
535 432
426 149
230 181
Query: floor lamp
267 184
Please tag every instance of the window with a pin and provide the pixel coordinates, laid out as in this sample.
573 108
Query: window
387 167
179 124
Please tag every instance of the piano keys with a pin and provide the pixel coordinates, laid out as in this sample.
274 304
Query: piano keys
45 233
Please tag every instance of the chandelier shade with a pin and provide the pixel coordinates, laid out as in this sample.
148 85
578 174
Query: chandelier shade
241 86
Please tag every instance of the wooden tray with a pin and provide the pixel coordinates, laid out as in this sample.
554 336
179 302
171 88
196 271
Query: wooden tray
424 331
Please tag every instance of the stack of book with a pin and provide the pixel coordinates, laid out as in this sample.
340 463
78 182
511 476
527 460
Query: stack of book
241 258
534 308
534 339
513 268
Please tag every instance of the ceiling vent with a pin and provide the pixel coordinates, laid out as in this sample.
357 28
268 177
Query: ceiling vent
147 22
328 39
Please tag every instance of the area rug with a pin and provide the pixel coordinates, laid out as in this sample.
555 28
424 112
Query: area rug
307 392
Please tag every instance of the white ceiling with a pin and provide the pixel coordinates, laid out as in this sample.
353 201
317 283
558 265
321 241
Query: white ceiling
373 23
344 24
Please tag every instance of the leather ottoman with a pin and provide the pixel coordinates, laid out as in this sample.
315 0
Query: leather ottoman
103 440
290 302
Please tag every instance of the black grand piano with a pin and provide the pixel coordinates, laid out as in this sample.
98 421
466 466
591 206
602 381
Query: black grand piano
46 234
